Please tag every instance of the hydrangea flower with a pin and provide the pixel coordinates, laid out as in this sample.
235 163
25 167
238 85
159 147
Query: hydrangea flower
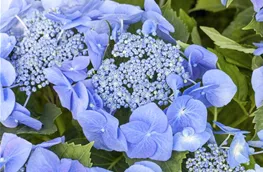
257 84
218 89
148 134
44 160
14 152
102 128
7 76
75 98
257 169
76 69
144 166
259 49
200 60
257 144
238 152
155 23
228 130
187 112
97 44
10 12
189 140
6 45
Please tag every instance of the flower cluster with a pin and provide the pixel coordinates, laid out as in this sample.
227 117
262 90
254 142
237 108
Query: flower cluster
141 78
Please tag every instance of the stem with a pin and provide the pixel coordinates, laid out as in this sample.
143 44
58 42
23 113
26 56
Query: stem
161 3
192 81
60 34
21 21
215 116
115 162
13 86
256 153
27 99
223 143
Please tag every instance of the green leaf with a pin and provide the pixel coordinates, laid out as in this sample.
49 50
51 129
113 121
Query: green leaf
76 152
179 4
181 30
189 21
257 62
224 42
234 30
114 161
238 78
258 120
174 164
196 39
50 113
237 58
256 26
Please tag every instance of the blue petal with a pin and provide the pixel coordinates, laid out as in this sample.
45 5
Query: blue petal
15 151
257 4
149 27
7 73
50 4
149 164
257 84
258 51
56 77
152 115
259 16
228 130
260 135
7 103
188 140
187 112
50 143
138 168
238 152
256 144
150 5
42 160
7 44
175 82
97 169
65 96
224 2
225 91
69 165
10 122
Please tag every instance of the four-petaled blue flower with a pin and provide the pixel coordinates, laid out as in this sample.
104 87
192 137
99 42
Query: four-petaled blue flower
102 128
148 134
144 166
200 60
187 112
238 152
259 143
189 140
218 89
7 43
155 23
14 152
257 85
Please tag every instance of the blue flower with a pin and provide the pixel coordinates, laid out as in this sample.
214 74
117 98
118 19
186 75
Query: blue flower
257 84
75 98
257 144
7 97
257 169
200 60
20 115
97 44
189 140
14 152
102 128
155 23
218 89
76 69
95 101
44 160
187 112
259 49
148 134
228 130
238 152
144 166
10 10
6 45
